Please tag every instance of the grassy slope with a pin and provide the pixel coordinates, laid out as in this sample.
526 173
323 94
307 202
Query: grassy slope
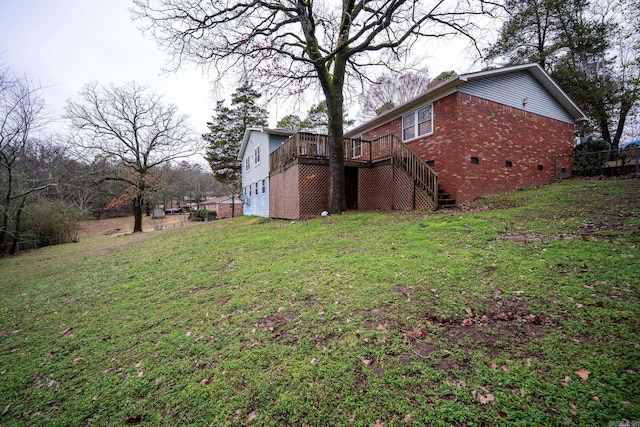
487 317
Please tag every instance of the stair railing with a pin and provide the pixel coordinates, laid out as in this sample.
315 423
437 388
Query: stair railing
425 178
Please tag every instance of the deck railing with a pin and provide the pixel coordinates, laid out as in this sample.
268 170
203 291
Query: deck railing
311 145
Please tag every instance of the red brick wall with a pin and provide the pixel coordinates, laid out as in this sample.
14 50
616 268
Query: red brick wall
466 126
224 210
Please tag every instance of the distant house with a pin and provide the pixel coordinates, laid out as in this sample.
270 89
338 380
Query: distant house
255 148
225 206
472 135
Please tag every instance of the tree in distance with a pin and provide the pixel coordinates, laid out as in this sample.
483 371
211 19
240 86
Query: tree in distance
132 126
317 120
390 90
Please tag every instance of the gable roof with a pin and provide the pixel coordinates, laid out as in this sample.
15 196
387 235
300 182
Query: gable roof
222 199
268 131
451 86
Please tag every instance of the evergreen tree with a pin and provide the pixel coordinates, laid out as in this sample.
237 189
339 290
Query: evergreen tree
290 122
226 131
316 121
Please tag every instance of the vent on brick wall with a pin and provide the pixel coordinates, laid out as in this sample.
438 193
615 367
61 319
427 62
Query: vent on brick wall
475 160
508 163
540 167
431 163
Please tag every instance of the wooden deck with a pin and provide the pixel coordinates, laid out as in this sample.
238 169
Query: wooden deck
312 148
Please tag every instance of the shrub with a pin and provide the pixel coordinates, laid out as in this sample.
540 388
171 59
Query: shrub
46 222
205 214
590 156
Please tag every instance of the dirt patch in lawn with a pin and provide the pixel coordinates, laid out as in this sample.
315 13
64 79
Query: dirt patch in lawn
508 327
277 320
599 232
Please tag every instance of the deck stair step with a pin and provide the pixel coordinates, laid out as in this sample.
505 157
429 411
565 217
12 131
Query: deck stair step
444 199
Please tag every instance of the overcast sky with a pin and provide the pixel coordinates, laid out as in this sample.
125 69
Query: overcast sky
64 44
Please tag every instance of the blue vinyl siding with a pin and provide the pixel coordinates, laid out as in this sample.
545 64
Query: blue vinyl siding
512 88
275 141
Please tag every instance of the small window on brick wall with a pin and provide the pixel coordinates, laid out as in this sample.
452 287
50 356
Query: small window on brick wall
431 163
563 170
540 167
508 163
475 160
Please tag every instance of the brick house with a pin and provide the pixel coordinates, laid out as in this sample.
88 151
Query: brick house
475 134
224 206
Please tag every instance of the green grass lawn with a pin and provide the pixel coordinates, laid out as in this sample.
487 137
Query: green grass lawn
520 310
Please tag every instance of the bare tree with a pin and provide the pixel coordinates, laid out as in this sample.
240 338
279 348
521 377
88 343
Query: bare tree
295 43
391 90
133 126
21 114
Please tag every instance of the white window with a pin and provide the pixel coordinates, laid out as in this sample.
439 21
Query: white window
356 149
256 155
264 186
417 123
247 163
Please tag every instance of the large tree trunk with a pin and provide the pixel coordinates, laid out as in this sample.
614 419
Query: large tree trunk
4 227
14 245
625 107
603 123
337 201
137 213
332 89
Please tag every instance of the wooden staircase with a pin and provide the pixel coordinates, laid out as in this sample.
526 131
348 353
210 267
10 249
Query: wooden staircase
425 179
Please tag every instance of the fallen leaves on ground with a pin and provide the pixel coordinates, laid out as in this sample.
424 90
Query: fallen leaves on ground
583 374
484 399
363 360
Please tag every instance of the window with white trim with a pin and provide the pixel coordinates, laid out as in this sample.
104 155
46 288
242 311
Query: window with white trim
256 155
264 186
247 163
356 148
417 123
